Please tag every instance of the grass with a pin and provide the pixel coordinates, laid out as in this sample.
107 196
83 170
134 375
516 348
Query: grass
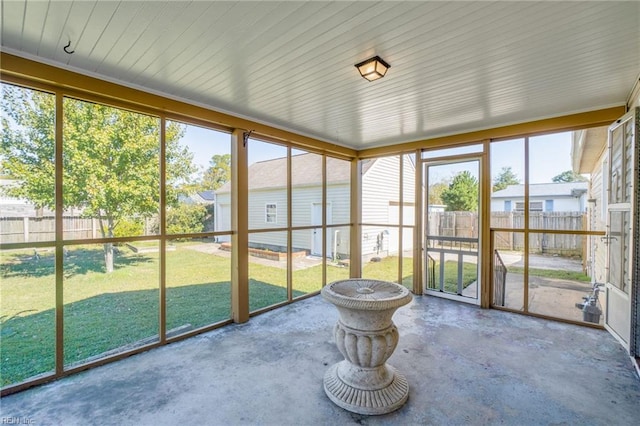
387 270
469 275
105 312
552 273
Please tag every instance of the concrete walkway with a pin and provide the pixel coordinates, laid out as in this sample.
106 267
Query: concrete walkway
465 366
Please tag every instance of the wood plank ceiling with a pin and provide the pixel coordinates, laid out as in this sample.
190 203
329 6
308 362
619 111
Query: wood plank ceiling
455 66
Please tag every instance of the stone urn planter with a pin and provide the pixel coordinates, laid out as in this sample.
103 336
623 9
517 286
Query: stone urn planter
366 336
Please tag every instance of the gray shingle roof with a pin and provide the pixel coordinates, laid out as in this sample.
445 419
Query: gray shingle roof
306 169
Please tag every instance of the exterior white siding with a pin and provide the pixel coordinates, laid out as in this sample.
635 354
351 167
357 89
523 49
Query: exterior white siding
560 204
380 185
380 195
597 221
381 205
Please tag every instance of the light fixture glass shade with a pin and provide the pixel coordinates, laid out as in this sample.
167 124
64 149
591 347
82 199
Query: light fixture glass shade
373 68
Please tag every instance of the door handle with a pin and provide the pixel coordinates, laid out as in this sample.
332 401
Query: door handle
606 239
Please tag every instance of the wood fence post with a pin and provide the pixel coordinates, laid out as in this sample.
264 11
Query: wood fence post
25 229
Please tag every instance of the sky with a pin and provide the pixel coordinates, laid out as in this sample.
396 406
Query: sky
549 155
205 143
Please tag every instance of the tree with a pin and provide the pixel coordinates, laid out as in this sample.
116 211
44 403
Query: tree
568 176
218 173
435 192
505 178
110 158
462 193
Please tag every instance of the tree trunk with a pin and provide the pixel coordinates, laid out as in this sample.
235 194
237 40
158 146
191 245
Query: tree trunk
108 257
108 247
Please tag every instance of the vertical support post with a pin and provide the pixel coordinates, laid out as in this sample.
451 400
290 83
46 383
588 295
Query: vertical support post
485 235
400 217
163 233
418 231
25 229
441 280
289 231
355 243
526 226
59 235
460 273
240 227
325 229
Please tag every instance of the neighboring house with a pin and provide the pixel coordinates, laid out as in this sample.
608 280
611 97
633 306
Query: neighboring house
203 197
268 204
543 197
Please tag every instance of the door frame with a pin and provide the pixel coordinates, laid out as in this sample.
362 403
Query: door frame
632 298
425 163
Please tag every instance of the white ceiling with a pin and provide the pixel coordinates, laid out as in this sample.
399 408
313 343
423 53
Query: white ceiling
455 66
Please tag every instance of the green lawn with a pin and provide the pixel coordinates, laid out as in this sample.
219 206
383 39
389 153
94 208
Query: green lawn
552 273
469 275
105 312
387 270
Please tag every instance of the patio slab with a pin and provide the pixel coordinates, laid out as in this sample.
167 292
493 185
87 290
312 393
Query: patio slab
464 365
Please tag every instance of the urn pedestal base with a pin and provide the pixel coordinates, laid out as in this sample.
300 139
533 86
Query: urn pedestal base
365 335
366 401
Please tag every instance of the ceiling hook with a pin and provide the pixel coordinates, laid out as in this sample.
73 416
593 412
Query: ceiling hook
66 47
245 137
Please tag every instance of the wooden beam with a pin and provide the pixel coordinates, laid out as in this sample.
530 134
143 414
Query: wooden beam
240 227
602 117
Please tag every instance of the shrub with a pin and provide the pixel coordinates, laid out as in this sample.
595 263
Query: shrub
186 219
129 228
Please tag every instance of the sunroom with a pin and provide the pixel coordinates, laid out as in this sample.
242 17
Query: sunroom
170 169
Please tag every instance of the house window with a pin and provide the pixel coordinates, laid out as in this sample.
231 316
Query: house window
271 213
507 205
534 206
548 205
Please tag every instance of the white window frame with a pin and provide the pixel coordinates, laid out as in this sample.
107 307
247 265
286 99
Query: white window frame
271 217
537 206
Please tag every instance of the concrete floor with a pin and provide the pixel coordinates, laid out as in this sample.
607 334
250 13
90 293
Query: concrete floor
464 366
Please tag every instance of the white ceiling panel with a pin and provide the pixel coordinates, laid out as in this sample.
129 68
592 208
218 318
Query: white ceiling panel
455 66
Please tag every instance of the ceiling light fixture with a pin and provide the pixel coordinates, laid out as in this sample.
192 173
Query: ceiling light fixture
373 68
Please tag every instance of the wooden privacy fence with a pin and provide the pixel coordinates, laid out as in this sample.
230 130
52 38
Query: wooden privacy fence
465 225
444 224
38 229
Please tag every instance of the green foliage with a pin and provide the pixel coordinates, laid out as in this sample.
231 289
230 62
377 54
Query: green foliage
111 157
462 193
27 151
435 192
218 173
186 219
129 228
505 178
568 176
